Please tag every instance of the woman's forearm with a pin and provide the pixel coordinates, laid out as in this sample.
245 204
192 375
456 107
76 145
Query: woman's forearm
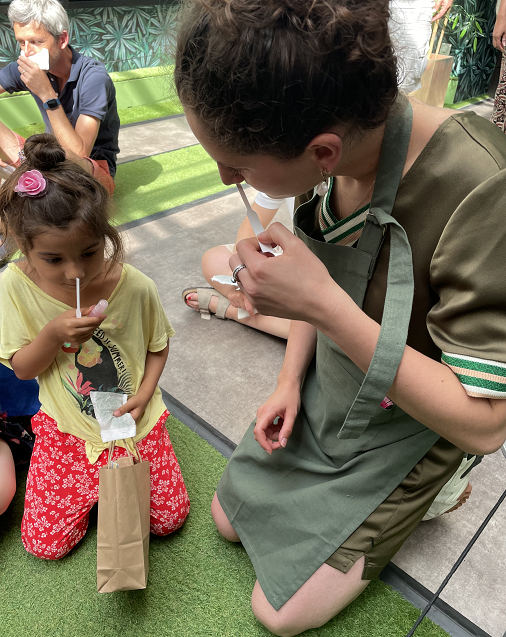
300 348
426 389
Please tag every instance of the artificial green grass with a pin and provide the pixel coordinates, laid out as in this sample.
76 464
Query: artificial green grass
199 584
161 182
130 115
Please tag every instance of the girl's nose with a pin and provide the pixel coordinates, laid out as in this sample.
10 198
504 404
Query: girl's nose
229 177
74 272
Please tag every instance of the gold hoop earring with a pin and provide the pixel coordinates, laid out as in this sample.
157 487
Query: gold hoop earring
323 187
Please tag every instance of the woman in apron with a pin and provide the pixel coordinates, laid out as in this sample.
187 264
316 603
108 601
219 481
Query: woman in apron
394 282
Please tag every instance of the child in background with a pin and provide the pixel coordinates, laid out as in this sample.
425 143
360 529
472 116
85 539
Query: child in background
18 402
57 216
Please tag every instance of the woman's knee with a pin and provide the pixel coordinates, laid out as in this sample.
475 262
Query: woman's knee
214 261
221 521
7 476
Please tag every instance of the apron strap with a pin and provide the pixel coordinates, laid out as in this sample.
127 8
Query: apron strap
400 285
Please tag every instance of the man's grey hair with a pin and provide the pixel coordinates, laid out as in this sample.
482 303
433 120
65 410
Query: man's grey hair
46 13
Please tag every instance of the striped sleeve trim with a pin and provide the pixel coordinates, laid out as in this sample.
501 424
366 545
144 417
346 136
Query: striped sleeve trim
481 378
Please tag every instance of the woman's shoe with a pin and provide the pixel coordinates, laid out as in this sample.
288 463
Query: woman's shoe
205 295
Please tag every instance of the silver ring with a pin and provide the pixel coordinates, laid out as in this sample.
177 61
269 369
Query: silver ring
236 272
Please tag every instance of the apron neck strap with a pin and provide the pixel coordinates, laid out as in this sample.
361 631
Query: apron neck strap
399 295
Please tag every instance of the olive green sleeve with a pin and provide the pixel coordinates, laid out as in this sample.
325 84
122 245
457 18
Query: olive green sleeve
468 272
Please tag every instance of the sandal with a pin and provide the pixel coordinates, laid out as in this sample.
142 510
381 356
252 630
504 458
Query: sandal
205 295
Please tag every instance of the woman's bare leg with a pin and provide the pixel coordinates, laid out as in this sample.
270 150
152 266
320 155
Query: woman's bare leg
7 476
215 261
325 594
9 149
221 521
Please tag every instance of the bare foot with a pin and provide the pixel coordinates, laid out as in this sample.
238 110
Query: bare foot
462 499
192 300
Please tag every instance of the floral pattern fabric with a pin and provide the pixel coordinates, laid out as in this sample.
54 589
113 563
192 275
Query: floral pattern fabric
62 487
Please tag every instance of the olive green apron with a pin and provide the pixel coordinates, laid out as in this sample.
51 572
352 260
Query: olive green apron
293 509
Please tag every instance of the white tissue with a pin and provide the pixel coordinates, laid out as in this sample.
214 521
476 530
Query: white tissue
112 428
41 58
225 280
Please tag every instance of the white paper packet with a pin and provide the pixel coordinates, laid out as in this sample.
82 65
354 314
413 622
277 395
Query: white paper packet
112 428
41 58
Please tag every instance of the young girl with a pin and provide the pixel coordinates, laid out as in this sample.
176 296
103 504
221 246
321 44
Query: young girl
57 215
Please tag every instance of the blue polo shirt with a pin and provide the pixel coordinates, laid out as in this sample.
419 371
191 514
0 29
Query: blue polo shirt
88 91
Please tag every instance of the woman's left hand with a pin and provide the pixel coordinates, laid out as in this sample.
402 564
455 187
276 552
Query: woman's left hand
293 285
441 8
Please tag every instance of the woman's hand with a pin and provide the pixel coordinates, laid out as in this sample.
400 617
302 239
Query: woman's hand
67 328
239 300
283 404
499 35
441 8
294 285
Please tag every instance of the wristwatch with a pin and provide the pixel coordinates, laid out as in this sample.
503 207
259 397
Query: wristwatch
51 104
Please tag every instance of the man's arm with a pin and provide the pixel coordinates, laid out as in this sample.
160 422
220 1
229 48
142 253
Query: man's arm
77 142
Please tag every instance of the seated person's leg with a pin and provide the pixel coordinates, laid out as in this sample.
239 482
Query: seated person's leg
10 145
7 476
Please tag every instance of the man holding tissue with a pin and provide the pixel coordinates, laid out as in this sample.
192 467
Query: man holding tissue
74 93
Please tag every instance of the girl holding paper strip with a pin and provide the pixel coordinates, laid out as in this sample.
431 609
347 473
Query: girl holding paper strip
394 283
57 215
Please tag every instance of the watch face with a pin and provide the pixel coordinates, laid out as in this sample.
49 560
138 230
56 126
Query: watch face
52 103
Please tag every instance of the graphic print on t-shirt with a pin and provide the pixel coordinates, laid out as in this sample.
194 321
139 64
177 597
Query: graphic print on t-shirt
98 366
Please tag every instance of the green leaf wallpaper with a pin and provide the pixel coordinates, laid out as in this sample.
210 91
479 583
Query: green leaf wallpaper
123 38
469 31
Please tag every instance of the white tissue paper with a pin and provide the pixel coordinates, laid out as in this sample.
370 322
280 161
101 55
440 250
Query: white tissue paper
41 58
112 428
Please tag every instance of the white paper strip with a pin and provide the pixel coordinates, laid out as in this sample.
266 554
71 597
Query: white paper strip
78 298
254 221
112 428
224 280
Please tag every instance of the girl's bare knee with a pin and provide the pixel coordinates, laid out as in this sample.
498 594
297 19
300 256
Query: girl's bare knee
221 521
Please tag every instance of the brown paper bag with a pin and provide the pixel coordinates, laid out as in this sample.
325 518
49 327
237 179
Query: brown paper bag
437 73
123 525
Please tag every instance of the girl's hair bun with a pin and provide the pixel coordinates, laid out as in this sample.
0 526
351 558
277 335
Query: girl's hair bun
43 152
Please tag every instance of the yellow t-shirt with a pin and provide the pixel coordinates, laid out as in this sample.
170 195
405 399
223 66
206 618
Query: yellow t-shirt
112 360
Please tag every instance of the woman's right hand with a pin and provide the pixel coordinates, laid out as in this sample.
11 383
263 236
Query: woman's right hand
239 300
67 328
499 35
284 404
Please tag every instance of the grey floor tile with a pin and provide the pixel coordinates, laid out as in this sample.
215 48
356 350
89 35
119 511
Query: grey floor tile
221 370
159 136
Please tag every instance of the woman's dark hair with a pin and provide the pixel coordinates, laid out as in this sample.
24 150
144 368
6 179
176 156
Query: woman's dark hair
267 76
72 196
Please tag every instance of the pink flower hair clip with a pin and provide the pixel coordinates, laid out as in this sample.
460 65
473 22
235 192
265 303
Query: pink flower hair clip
31 184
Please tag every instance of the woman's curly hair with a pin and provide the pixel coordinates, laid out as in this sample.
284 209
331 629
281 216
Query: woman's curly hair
267 76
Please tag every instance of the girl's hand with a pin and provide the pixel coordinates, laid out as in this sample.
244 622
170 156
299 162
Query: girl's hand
283 404
239 300
67 328
294 285
134 406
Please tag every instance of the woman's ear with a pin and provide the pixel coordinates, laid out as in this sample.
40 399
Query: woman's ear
326 149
